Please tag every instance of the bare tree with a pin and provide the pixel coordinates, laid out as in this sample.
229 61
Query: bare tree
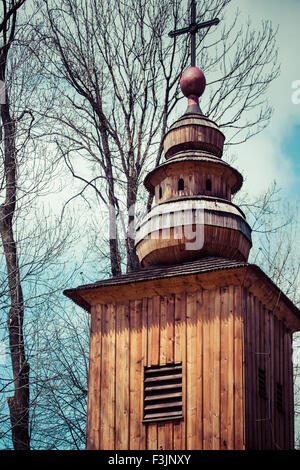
59 409
19 403
115 73
33 242
275 232
118 75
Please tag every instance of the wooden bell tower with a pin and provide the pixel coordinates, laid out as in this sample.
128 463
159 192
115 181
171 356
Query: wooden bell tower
194 351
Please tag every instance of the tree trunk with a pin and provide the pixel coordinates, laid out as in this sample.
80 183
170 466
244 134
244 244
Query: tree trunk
133 263
19 403
113 241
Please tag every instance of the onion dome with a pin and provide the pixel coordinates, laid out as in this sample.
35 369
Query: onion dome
193 216
193 131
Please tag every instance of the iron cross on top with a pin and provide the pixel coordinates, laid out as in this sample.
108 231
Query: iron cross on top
192 30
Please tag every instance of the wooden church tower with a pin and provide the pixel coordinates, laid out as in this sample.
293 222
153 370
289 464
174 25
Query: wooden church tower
194 351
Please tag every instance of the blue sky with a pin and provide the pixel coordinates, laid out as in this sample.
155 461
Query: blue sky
274 153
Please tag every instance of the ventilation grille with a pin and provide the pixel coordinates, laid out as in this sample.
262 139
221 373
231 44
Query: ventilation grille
163 393
279 397
262 383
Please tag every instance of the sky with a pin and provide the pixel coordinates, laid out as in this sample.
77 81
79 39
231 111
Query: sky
274 153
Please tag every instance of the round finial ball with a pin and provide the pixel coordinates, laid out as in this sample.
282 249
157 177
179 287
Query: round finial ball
192 82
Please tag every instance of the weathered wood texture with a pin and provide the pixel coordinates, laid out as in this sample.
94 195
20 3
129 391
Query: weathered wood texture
193 132
194 184
268 346
223 327
195 168
205 273
201 329
159 249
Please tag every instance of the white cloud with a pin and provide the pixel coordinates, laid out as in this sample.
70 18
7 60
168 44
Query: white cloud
261 158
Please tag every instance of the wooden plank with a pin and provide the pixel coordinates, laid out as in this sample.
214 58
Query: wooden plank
170 329
191 411
285 386
151 429
155 330
207 372
149 331
263 364
179 430
144 362
158 406
175 369
254 378
165 436
178 442
166 356
268 360
290 390
150 380
215 326
164 396
276 378
163 340
266 350
199 370
151 434
231 361
94 381
180 328
224 390
272 381
258 364
247 373
145 306
160 387
248 366
136 375
108 374
239 367
122 386
225 365
281 382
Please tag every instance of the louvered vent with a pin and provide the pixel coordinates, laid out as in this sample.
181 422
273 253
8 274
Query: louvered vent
262 390
163 392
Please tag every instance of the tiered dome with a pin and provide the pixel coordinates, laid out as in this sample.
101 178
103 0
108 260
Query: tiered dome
193 215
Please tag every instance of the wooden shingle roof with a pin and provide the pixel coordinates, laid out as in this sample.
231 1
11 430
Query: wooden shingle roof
205 272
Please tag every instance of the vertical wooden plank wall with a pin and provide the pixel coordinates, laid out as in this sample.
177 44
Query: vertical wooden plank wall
94 380
204 331
108 380
122 367
268 346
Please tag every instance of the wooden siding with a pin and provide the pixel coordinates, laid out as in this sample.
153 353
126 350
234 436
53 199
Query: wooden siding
188 163
194 185
217 240
204 331
268 346
194 134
